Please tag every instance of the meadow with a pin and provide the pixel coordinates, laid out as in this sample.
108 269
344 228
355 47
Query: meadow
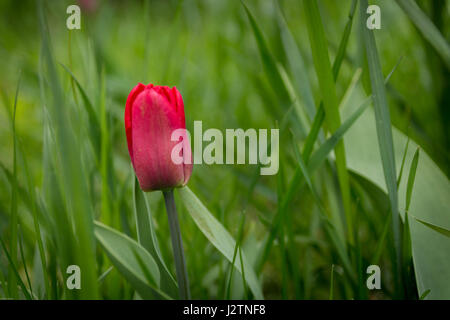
362 180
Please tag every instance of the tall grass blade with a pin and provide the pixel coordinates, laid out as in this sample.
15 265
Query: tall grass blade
331 283
71 173
411 178
319 156
313 162
383 126
328 92
344 41
236 248
424 294
15 271
320 115
108 213
403 163
14 220
329 227
297 65
94 123
34 211
441 230
272 70
427 28
24 262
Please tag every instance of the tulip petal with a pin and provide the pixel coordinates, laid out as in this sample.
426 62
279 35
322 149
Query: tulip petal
128 119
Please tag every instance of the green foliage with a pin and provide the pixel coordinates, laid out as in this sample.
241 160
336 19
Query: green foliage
68 195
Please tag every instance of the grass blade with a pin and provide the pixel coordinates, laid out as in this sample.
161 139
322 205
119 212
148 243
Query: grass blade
332 283
24 262
411 178
297 65
329 227
427 28
236 248
328 93
403 163
320 115
344 41
15 272
269 63
441 230
273 71
317 159
71 175
382 241
94 123
14 190
34 211
383 126
319 156
424 294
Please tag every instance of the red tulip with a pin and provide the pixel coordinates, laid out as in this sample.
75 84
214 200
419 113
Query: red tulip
152 114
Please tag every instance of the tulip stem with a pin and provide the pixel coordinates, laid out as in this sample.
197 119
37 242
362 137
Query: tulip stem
177 245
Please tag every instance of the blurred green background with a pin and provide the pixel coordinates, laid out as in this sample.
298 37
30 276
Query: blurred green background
208 50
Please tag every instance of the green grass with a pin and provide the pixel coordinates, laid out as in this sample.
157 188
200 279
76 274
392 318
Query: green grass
327 87
351 190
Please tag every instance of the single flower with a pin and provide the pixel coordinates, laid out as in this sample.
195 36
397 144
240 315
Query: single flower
152 114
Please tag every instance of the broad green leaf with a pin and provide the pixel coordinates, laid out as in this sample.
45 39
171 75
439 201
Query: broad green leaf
219 237
127 255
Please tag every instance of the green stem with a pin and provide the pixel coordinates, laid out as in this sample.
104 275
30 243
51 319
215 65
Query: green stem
177 244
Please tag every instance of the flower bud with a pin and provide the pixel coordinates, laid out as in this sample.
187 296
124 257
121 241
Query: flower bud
152 114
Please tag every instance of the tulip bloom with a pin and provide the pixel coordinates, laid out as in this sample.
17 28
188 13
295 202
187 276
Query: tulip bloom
152 114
